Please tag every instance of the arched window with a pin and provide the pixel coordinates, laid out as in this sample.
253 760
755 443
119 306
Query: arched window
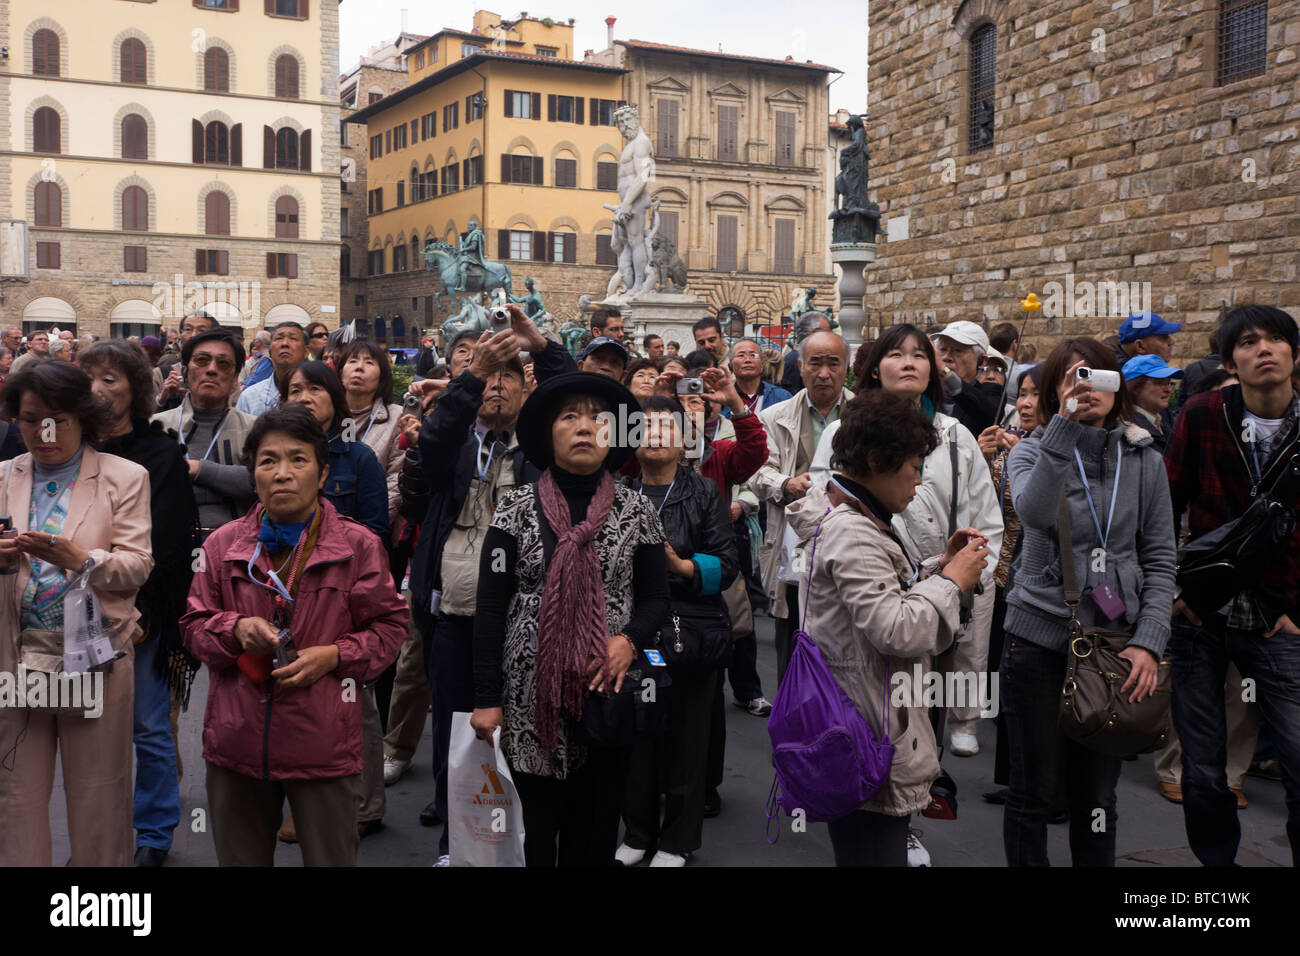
286 77
414 261
45 53
216 214
983 78
381 329
135 209
49 205
286 218
286 149
216 70
46 134
135 63
399 326
216 143
135 137
416 194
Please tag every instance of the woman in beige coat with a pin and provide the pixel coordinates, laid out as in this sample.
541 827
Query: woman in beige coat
875 615
75 511
367 378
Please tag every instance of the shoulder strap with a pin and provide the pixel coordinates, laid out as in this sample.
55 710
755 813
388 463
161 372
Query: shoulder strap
812 553
956 482
1067 556
4 490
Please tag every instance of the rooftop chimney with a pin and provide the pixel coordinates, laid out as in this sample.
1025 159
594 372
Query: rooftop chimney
403 19
609 23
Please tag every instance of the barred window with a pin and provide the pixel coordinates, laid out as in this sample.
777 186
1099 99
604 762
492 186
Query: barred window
1243 39
983 76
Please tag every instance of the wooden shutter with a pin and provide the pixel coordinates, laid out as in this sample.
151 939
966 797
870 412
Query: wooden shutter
268 148
304 151
784 138
537 106
293 265
200 261
270 265
577 109
570 247
269 7
503 243
216 214
783 259
505 168
726 244
45 53
45 131
196 141
537 171
550 246
237 145
465 172
728 124
510 103
223 262
49 204
593 110
550 107
667 113
135 209
304 9
216 70
133 67
539 244
135 137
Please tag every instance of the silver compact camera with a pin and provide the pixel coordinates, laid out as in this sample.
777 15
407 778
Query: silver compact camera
1103 380
690 386
498 318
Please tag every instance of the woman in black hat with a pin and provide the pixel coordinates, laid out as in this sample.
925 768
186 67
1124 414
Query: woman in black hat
572 585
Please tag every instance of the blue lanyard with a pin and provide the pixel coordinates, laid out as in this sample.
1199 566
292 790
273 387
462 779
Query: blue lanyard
1114 495
213 444
660 510
276 584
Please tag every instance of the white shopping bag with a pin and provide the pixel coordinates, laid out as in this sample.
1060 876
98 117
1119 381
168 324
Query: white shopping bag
486 820
790 568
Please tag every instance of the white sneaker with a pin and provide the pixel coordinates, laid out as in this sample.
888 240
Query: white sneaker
667 859
393 769
964 745
444 860
628 856
917 855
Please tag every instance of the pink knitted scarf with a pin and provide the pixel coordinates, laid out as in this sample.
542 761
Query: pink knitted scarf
571 629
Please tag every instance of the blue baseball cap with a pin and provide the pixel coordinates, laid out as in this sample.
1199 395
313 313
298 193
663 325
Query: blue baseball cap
1149 366
604 342
1142 324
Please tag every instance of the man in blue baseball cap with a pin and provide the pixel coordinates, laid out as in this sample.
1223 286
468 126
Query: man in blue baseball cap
1145 333
1150 383
604 356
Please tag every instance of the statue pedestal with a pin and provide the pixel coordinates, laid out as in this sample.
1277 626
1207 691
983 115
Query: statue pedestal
670 314
852 258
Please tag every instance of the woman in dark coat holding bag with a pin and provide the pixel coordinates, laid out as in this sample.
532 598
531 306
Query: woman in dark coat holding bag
572 587
702 562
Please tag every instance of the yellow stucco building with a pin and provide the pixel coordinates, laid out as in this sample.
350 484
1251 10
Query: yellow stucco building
167 156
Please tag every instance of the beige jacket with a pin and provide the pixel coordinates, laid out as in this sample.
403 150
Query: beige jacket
109 517
381 437
784 424
860 616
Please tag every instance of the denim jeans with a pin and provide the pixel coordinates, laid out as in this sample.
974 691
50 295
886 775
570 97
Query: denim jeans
157 789
1200 657
1031 678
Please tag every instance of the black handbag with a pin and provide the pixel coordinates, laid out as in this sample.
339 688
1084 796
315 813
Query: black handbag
696 635
639 709
1094 711
1217 566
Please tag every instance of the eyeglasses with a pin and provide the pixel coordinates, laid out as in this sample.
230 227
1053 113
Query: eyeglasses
203 360
320 335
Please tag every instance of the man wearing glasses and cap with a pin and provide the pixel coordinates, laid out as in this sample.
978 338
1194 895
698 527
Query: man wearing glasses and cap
962 347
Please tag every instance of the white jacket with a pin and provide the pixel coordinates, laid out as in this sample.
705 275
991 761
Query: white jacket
783 422
923 527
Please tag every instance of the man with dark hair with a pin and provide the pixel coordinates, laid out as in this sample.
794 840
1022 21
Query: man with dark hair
700 359
1228 446
173 387
708 336
604 356
38 347
469 457
608 323
806 325
288 349
654 346
673 349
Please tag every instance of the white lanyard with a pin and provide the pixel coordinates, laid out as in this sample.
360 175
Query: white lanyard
660 509
481 466
1114 495
373 415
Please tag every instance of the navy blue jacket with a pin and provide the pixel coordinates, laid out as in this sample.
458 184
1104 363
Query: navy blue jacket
357 485
772 395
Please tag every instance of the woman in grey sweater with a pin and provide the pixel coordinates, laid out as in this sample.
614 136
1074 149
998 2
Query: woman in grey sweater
1122 537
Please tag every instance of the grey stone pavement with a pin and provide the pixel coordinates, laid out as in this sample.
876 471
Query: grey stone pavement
1150 828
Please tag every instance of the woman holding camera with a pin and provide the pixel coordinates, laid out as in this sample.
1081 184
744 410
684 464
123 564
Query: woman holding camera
702 562
572 586
73 511
292 610
875 612
1122 541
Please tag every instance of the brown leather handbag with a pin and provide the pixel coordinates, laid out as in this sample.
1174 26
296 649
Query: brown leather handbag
1094 712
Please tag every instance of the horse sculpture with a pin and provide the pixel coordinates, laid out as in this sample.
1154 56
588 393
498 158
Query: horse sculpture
444 259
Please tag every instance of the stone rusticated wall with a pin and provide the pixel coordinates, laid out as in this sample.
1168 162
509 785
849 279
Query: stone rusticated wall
1115 157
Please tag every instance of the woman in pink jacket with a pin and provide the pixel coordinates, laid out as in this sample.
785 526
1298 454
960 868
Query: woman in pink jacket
284 716
74 511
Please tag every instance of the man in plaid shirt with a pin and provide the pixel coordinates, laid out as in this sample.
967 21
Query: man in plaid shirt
1226 447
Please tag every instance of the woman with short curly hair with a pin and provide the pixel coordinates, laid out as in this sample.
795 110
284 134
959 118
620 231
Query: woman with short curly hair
875 612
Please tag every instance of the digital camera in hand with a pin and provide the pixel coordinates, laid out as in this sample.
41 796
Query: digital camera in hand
498 318
690 386
1103 380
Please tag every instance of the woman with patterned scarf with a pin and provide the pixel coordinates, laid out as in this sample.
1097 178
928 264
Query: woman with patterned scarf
572 586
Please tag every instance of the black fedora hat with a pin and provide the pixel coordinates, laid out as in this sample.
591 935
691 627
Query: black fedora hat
533 428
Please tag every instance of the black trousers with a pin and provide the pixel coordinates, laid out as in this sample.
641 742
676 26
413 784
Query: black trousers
997 637
785 628
451 677
574 822
673 763
864 838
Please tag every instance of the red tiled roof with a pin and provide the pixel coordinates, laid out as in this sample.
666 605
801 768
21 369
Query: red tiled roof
809 65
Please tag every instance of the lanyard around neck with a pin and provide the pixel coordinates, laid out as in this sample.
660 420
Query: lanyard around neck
660 509
1114 495
221 426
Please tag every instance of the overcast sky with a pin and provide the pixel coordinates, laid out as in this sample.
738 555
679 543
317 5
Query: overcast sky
833 32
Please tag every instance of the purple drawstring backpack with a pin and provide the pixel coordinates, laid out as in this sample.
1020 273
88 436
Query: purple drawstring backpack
828 761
